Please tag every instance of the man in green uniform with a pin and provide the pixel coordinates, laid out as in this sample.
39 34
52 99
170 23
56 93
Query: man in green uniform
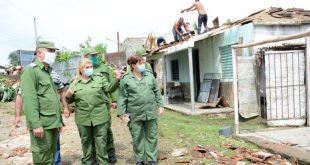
140 99
104 70
41 104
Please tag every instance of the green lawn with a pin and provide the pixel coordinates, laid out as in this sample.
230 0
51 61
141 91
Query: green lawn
183 131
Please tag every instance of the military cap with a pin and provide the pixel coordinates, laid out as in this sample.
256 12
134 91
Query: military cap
88 51
46 44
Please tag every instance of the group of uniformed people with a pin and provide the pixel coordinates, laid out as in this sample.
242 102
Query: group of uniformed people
94 90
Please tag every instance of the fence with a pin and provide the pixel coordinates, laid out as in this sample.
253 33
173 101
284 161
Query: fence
270 85
66 69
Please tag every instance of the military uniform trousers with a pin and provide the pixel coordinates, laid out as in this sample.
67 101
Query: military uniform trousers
110 140
97 135
43 150
144 137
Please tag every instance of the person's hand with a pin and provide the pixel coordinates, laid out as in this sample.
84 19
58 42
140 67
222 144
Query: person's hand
122 117
119 74
66 113
161 110
18 121
38 132
114 105
60 130
69 92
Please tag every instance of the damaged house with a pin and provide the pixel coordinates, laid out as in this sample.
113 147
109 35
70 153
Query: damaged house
198 73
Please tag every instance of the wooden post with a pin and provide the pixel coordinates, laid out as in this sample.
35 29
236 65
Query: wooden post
191 78
235 85
165 80
308 79
275 39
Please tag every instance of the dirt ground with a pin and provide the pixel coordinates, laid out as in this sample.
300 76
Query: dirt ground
15 143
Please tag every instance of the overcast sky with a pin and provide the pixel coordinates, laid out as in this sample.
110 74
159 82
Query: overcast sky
69 22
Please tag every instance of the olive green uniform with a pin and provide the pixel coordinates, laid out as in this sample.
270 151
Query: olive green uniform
92 115
140 99
41 106
108 73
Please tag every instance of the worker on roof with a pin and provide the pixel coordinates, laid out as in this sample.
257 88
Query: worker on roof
202 17
177 30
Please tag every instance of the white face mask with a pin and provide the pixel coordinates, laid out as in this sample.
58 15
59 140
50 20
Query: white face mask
49 58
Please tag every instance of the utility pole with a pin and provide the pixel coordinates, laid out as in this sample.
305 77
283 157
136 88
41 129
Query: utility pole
35 31
119 57
117 41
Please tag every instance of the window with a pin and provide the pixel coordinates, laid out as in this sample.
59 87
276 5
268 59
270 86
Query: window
175 70
226 61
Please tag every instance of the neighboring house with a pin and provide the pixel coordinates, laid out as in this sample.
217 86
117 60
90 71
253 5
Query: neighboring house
209 56
25 57
130 45
116 58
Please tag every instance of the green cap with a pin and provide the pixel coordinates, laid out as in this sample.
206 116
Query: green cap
46 44
140 51
87 51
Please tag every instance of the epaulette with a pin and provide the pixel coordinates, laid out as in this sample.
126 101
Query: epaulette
32 65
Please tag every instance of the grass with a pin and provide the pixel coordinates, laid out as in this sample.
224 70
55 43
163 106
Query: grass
183 131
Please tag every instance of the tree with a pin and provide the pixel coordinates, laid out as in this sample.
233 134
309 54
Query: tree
13 57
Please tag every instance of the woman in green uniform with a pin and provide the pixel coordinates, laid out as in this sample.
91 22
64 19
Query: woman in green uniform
140 99
87 91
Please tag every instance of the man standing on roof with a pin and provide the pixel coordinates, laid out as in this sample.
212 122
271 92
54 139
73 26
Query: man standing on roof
202 17
177 29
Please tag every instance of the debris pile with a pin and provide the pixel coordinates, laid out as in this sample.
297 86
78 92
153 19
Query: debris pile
241 156
7 89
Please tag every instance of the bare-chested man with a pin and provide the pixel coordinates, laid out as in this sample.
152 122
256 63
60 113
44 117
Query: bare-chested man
202 17
177 29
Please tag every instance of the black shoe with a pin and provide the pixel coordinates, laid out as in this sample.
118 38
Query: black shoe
140 163
112 159
152 163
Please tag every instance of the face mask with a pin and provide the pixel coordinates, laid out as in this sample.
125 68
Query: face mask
88 72
141 68
49 58
94 60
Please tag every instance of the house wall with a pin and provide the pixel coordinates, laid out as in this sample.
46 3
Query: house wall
262 32
182 57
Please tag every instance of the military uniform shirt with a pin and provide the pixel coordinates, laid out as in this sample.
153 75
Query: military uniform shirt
139 98
40 98
90 100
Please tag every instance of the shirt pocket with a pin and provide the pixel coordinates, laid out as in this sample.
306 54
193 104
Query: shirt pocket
44 87
98 96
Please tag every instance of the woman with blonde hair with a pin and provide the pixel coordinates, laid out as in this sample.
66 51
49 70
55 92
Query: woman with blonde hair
87 91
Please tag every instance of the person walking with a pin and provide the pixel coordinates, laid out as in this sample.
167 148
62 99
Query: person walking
140 99
202 15
104 70
92 116
41 104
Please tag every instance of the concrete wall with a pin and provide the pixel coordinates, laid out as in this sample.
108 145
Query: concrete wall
182 57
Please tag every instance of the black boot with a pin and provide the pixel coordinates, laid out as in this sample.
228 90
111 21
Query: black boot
112 159
140 163
152 163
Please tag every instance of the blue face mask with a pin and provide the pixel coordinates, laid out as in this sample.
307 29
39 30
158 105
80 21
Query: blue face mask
141 68
88 72
94 60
